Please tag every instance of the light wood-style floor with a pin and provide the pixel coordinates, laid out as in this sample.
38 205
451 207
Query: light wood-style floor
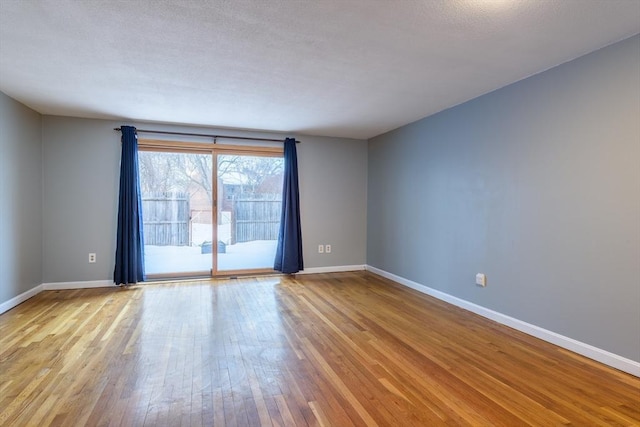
329 350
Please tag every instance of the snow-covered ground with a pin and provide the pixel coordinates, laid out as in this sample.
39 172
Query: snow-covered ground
179 259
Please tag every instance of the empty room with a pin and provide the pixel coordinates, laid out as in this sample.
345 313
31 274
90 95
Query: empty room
319 213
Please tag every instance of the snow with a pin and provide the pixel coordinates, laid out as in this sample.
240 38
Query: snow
183 259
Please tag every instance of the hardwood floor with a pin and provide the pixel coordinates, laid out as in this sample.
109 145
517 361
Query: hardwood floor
328 350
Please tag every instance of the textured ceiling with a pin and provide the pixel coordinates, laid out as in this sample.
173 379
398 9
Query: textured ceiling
350 68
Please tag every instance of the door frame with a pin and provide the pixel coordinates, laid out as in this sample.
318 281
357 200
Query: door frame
213 149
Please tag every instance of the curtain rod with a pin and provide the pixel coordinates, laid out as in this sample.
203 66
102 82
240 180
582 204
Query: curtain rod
244 138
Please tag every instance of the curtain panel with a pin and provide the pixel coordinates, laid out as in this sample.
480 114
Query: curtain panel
129 267
289 250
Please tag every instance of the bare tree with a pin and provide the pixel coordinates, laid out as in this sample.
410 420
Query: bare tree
188 172
251 171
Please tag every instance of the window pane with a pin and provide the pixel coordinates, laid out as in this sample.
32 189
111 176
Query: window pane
176 208
249 208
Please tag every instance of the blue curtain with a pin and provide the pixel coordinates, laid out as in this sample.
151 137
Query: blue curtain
289 251
130 242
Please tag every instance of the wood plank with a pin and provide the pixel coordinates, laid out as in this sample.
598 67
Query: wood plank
316 350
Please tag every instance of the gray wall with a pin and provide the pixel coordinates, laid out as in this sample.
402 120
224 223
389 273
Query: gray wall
333 199
81 168
20 199
538 186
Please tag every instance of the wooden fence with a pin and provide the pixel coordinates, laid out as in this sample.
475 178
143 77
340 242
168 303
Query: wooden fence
166 219
255 220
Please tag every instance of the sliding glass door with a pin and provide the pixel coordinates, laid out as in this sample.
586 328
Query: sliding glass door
177 213
248 211
188 190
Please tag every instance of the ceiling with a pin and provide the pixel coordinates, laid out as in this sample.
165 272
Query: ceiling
346 68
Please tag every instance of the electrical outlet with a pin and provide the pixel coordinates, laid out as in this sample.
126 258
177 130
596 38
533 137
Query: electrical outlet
92 258
481 280
320 249
327 249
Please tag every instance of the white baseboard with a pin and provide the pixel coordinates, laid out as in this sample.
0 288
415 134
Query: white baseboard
57 286
333 269
627 365
8 305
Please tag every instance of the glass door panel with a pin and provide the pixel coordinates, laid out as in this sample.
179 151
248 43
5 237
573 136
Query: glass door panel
249 189
177 212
